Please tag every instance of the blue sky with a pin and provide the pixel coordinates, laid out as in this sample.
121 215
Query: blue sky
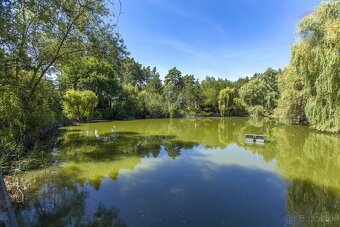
228 39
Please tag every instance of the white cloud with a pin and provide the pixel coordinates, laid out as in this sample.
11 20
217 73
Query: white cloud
232 155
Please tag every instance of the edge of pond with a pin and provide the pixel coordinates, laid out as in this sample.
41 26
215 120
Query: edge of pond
6 206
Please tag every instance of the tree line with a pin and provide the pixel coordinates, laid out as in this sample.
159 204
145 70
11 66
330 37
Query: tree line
66 58
138 92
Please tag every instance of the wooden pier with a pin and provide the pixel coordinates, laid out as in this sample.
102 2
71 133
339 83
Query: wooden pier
7 216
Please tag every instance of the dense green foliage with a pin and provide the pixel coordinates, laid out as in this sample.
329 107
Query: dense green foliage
211 89
37 40
311 84
226 101
260 94
152 100
79 104
44 54
292 102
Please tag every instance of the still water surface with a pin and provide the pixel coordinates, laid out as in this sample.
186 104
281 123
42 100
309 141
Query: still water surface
186 172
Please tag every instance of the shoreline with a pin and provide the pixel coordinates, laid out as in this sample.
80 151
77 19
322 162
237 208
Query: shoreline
48 132
7 216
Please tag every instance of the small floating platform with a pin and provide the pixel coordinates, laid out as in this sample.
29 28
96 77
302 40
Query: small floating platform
251 138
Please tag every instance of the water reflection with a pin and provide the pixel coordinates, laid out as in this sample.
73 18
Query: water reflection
152 170
62 202
313 205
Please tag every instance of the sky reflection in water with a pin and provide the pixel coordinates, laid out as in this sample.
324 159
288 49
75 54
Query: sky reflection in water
186 172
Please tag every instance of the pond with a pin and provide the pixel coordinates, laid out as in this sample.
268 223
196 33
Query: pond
186 172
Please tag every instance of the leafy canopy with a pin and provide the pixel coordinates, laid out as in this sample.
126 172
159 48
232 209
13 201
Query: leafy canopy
79 104
312 83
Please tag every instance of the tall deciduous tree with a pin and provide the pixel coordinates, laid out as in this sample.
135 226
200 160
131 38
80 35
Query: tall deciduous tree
316 63
43 33
292 102
92 74
152 98
134 73
173 86
192 94
155 83
261 93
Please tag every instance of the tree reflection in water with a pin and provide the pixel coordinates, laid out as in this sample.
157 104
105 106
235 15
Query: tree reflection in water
308 160
313 205
64 204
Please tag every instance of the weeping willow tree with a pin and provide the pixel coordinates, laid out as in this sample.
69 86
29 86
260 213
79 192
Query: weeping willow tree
310 86
293 98
225 100
80 104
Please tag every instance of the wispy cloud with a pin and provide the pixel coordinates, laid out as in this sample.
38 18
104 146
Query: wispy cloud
170 8
186 48
212 25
